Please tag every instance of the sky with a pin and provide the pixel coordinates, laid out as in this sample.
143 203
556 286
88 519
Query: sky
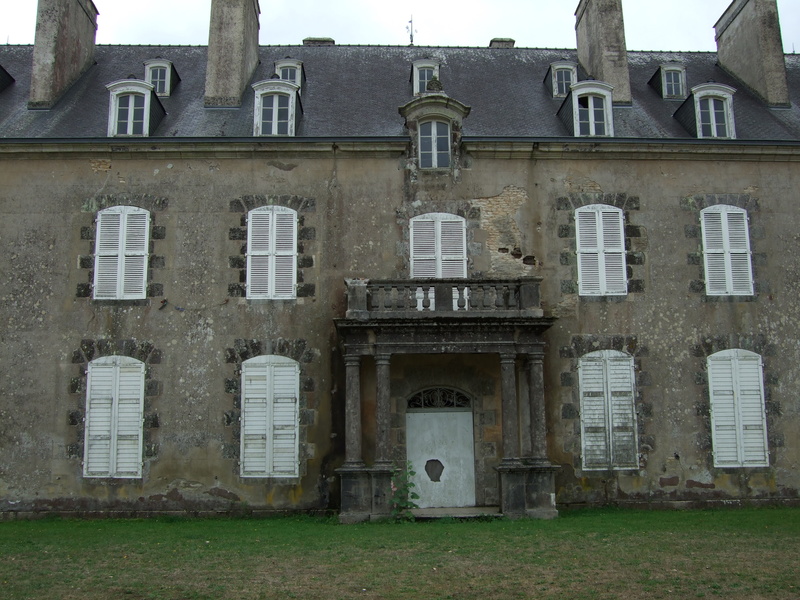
649 24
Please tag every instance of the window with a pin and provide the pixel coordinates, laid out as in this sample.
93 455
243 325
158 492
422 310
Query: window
434 145
290 70
673 83
591 109
269 421
161 75
114 409
714 111
271 253
726 251
438 246
738 420
423 72
608 414
563 74
122 250
134 110
601 251
275 108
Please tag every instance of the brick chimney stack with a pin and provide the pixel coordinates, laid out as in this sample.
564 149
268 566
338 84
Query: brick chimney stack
601 45
232 51
63 48
749 46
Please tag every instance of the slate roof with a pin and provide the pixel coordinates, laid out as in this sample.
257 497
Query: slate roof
355 91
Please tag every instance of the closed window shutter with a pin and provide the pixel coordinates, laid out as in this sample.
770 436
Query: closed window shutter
601 251
594 417
269 446
453 249
622 412
738 420
255 419
423 248
121 253
272 253
726 251
114 410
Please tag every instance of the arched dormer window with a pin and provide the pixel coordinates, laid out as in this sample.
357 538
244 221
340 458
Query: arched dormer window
422 72
276 108
434 123
162 75
134 109
708 112
291 70
587 111
560 77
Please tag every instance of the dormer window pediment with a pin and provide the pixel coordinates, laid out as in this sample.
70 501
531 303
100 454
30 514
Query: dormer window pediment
277 108
133 109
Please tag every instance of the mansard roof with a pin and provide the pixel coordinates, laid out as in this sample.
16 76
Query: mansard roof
355 91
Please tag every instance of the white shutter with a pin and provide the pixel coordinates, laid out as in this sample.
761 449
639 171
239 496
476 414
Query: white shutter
622 412
453 248
726 251
738 420
594 416
271 253
423 248
114 409
269 437
121 253
255 418
600 242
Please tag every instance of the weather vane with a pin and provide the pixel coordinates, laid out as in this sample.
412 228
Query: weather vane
410 29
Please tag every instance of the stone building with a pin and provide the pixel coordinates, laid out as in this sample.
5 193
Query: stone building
243 277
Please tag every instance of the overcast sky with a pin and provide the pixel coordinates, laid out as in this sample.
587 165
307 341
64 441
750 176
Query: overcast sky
649 24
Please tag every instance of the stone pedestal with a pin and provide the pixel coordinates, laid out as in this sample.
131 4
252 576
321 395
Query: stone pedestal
540 490
381 483
356 494
512 490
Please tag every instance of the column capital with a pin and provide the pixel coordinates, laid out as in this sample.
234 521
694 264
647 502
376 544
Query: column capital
383 358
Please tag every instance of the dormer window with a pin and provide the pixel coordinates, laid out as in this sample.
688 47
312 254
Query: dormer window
292 71
423 72
708 111
5 78
276 108
434 145
561 75
162 75
670 81
587 109
134 109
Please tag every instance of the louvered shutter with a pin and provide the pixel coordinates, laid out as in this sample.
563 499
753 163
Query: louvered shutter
423 248
99 414
601 251
255 418
272 253
738 421
453 250
284 420
726 251
269 446
624 453
594 416
128 435
121 253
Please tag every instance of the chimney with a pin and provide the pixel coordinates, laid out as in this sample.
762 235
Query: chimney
749 46
601 45
63 48
501 43
232 51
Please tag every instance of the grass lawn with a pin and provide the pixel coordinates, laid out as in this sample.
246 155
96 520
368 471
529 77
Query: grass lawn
747 553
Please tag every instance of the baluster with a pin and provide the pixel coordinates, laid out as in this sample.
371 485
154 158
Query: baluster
426 299
499 292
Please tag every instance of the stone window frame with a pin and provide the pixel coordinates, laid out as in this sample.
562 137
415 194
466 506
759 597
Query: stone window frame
635 242
91 349
306 241
307 401
273 89
130 88
299 74
707 92
596 90
86 262
155 65
757 343
673 69
416 67
562 66
579 346
758 260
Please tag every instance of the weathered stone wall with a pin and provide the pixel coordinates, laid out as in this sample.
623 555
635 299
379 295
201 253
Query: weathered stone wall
354 223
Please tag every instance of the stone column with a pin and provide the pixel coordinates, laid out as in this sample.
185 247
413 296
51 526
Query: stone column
508 391
538 414
382 374
352 414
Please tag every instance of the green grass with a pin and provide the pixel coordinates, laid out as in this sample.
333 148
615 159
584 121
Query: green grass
592 554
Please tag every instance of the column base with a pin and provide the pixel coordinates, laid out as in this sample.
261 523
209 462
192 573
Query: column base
356 494
381 483
528 490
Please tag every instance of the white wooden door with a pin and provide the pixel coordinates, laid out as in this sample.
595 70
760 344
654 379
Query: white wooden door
441 450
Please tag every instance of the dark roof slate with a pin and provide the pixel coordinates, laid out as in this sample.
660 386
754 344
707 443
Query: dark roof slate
355 91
